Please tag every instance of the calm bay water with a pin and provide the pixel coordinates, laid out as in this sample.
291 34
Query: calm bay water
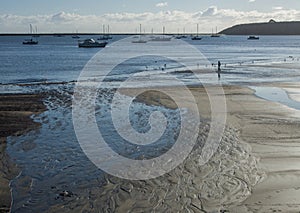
57 59
51 159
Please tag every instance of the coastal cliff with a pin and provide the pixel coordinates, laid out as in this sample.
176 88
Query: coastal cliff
268 28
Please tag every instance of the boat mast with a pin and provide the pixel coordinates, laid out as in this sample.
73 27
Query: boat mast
30 26
140 29
140 32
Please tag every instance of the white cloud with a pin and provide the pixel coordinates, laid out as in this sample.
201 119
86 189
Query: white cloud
252 1
277 8
210 11
128 22
162 4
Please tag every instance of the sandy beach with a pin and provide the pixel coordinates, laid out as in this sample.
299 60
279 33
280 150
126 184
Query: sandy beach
271 131
254 170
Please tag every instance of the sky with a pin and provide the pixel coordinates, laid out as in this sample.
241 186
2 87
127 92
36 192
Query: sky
124 16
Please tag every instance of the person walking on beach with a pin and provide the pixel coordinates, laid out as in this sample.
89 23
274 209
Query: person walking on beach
219 69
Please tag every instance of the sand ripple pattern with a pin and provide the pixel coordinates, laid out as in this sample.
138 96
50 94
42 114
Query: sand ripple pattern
226 180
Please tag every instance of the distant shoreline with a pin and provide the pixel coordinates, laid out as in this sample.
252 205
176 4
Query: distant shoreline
271 28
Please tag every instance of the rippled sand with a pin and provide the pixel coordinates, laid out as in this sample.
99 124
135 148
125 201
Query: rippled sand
226 179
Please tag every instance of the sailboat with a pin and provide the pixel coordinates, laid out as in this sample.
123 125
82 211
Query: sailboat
104 35
184 35
180 36
76 36
140 41
108 33
215 35
197 37
162 38
36 35
30 41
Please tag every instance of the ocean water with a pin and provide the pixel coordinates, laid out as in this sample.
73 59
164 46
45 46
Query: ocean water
51 159
58 59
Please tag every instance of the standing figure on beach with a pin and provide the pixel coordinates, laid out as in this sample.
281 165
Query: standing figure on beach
219 69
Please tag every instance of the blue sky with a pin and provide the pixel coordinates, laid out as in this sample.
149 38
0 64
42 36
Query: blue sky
99 7
124 15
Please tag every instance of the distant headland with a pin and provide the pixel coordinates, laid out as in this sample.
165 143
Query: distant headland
268 28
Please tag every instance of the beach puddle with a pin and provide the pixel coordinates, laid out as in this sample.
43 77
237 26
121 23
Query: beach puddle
276 94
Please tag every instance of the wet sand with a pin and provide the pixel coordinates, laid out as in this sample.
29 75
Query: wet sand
272 131
227 178
254 170
15 119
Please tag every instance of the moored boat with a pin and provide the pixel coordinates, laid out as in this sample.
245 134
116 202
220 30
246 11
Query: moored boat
161 38
215 35
91 43
197 37
140 40
105 36
76 36
178 37
253 38
30 42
